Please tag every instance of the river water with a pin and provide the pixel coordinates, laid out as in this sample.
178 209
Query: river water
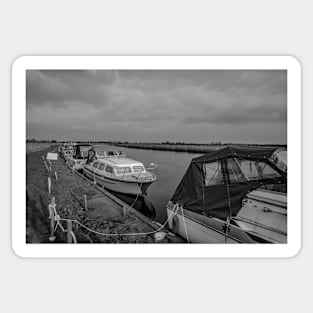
170 170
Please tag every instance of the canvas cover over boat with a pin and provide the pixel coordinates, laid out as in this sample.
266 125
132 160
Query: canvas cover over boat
81 151
215 184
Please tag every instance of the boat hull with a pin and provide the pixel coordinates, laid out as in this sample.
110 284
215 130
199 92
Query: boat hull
130 188
202 229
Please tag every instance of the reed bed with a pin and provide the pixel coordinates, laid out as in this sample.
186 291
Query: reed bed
36 146
176 148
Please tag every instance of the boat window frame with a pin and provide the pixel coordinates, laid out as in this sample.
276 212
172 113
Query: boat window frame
101 165
111 167
123 172
210 180
111 153
99 155
256 165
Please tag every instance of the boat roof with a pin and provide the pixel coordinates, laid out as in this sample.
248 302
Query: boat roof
248 152
82 145
114 161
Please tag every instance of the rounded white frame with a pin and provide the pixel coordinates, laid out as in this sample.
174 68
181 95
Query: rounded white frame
21 64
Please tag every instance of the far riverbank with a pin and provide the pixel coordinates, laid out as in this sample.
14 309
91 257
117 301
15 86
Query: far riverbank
191 148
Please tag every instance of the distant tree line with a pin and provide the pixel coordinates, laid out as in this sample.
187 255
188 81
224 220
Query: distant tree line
155 145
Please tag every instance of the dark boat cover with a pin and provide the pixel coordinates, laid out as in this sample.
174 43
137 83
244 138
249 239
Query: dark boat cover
81 151
215 184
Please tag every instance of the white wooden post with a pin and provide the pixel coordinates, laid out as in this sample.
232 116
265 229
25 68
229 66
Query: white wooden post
49 185
52 217
46 166
56 175
85 198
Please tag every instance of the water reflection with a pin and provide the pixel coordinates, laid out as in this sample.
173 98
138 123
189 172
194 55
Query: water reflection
140 203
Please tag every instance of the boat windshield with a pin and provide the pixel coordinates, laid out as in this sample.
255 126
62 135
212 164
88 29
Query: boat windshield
279 158
123 170
138 168
238 170
111 153
101 153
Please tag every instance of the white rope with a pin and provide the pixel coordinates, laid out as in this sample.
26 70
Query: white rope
122 234
182 213
134 202
73 236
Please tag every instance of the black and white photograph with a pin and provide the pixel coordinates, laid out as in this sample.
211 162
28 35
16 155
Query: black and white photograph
156 156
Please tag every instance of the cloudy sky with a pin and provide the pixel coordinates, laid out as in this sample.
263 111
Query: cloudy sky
152 106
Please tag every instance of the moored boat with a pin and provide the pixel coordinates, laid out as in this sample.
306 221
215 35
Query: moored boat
66 150
79 156
232 195
115 172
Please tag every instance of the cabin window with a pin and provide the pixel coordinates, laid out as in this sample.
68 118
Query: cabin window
246 170
213 174
138 168
109 169
101 153
235 172
101 167
111 153
95 165
123 170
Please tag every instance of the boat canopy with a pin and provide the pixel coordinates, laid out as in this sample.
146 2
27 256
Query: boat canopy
216 183
81 151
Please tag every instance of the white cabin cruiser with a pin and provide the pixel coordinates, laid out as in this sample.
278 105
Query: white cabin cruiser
115 172
232 195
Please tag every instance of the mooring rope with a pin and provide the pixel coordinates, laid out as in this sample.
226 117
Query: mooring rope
182 212
117 234
134 202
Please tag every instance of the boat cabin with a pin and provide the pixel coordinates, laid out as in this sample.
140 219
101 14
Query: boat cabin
81 151
109 153
79 156
119 167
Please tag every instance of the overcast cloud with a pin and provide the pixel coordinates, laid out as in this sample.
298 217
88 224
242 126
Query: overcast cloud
151 106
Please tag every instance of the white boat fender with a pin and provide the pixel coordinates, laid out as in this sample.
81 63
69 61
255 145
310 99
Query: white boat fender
159 236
